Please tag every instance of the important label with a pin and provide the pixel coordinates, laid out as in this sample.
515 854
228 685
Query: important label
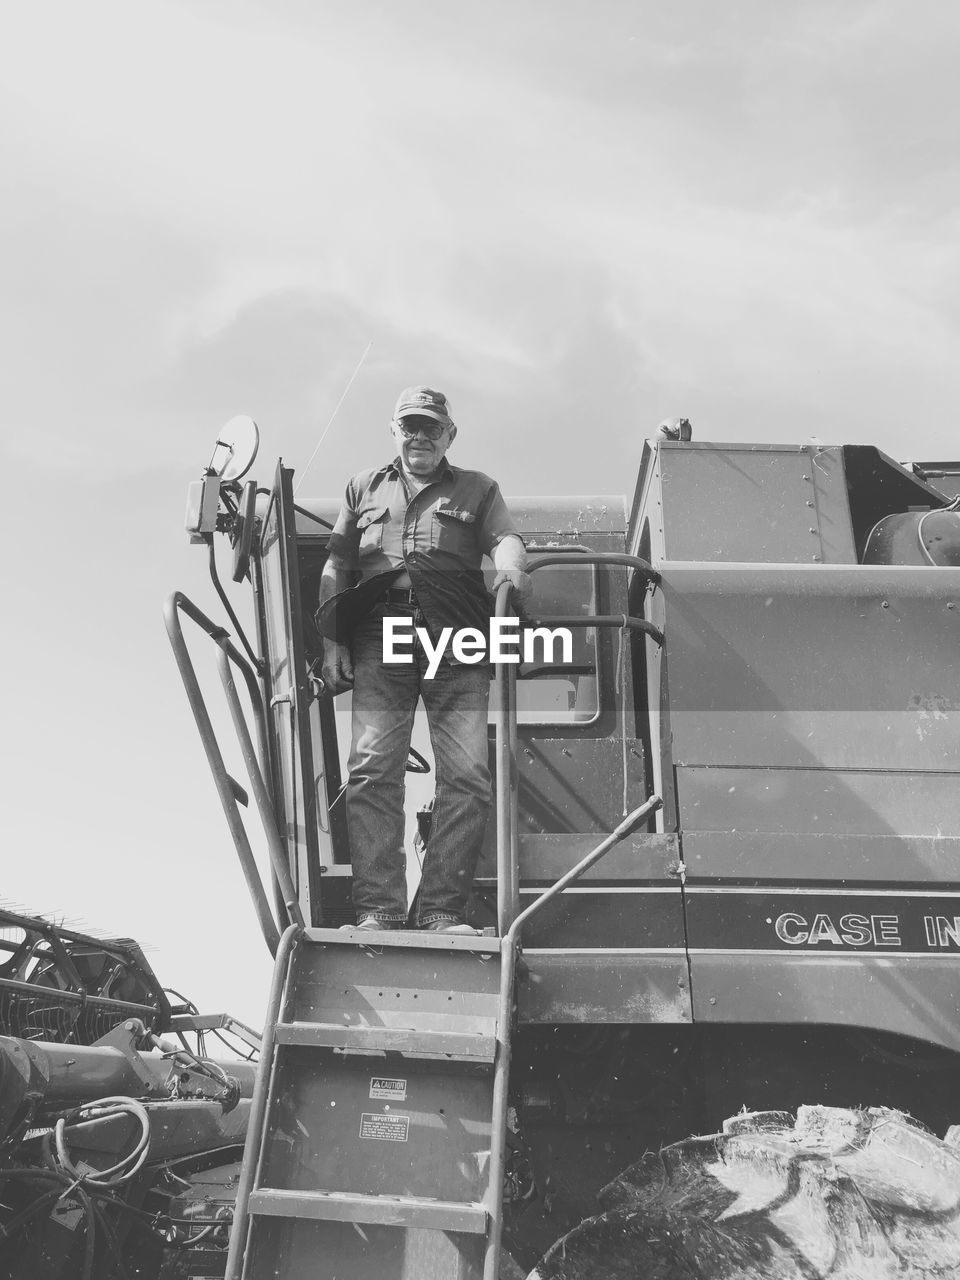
384 1128
388 1088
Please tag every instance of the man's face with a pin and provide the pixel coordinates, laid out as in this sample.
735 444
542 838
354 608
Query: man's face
420 453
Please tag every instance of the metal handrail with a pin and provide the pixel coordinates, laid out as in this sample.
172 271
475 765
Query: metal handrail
510 922
261 795
508 841
221 636
176 604
601 620
585 863
508 880
643 567
509 947
253 1145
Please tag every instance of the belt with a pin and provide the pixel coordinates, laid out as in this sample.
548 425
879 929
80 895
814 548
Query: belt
399 595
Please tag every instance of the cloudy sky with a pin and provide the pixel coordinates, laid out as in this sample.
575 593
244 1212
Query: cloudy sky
576 218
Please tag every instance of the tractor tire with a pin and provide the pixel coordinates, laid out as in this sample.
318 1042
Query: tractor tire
838 1194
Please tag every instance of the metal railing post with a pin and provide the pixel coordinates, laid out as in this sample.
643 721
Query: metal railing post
508 887
278 856
508 967
253 1146
508 838
211 747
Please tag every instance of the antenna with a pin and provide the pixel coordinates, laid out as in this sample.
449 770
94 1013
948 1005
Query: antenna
332 416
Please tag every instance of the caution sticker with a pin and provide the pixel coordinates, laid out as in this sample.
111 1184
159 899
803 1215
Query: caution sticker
388 1088
384 1128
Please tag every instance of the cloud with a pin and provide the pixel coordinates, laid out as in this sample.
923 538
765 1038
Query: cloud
228 204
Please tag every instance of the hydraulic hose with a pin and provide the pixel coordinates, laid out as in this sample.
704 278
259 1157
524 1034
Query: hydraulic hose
128 1165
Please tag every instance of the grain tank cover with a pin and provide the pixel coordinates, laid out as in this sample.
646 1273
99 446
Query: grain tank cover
775 504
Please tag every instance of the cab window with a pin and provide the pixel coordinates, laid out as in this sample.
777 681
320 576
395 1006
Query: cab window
550 689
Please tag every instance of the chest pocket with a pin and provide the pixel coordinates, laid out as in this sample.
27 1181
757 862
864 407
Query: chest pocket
370 524
454 530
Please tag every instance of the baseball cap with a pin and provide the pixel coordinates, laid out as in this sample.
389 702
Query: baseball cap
423 401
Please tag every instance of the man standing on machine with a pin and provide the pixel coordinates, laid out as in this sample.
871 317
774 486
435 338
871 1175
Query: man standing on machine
408 544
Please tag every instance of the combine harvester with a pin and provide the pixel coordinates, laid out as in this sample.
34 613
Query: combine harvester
723 875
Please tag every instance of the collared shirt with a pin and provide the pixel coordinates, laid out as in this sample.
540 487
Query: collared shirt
438 534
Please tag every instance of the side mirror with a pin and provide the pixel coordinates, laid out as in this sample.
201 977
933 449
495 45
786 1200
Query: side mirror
242 534
235 449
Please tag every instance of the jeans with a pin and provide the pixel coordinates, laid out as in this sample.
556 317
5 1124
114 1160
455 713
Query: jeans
385 697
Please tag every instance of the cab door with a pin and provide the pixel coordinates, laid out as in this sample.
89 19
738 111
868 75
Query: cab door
288 691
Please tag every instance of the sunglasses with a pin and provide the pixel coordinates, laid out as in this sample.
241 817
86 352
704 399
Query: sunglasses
433 430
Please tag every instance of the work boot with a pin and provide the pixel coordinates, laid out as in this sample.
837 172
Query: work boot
448 926
370 924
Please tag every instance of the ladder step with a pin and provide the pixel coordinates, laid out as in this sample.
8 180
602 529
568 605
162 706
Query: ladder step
466 1046
396 1211
419 940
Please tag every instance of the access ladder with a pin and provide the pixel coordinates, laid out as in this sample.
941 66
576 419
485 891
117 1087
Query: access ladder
376 1139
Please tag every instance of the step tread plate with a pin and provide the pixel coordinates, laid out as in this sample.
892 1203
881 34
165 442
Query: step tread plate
342 1206
405 938
472 1045
403 1018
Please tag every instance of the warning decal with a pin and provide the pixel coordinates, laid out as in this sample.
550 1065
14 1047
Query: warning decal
390 1089
384 1127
